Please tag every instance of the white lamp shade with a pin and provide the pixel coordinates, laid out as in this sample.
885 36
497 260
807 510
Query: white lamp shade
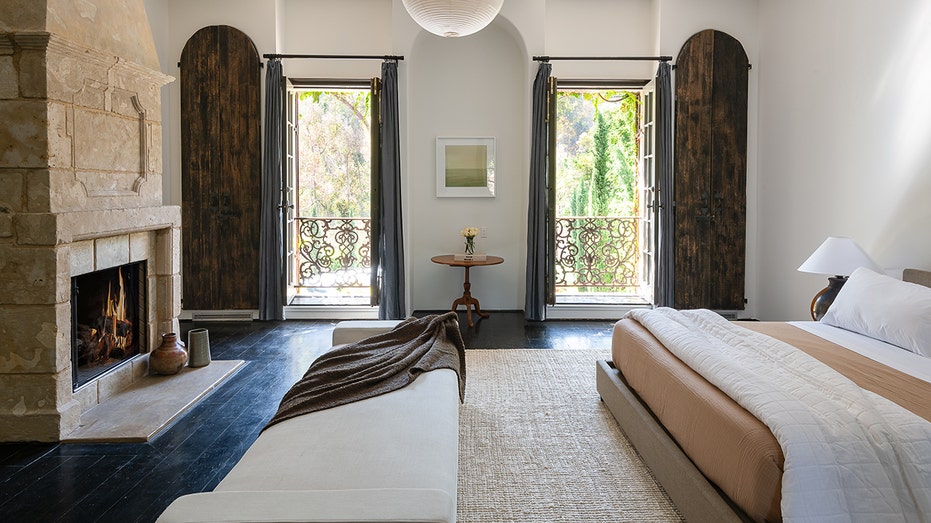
839 256
452 18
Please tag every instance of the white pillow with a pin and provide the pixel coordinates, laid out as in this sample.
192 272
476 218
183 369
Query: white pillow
884 308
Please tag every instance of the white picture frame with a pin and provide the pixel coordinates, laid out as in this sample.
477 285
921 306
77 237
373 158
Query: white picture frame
465 167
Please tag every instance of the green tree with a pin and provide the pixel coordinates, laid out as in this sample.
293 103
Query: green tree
597 153
334 154
627 152
579 203
602 191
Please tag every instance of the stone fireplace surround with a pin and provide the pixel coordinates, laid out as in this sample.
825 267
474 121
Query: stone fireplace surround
80 191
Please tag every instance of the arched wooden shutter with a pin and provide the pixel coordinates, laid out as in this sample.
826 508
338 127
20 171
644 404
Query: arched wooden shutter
220 170
711 172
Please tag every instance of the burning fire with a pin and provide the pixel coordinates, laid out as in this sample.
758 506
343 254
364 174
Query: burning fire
115 312
110 334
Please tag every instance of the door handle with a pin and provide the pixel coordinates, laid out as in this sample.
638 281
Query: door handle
705 212
226 207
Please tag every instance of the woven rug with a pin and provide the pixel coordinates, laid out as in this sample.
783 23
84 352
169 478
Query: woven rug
537 444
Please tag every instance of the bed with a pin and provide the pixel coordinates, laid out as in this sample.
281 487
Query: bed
719 462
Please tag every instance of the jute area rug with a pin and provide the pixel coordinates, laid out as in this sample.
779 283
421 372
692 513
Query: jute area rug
537 444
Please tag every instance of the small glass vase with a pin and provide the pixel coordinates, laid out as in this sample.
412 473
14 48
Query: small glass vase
470 245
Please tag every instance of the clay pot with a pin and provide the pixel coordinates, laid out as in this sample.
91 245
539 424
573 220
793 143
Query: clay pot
169 357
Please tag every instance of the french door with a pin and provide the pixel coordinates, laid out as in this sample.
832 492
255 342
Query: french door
320 248
289 146
602 200
649 196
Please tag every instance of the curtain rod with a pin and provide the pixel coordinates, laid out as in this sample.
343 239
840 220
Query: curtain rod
336 56
602 84
606 58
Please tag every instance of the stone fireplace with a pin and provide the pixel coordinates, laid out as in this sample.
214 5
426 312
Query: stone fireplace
80 191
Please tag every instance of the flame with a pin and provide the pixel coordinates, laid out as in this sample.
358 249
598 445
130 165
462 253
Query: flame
111 334
116 310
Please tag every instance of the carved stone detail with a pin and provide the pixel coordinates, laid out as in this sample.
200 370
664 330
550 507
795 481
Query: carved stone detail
110 142
6 44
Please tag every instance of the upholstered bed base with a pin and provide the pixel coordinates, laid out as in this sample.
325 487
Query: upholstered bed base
697 499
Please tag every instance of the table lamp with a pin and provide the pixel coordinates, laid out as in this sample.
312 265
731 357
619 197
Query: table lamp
839 256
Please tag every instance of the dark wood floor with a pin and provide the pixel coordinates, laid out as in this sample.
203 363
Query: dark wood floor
41 482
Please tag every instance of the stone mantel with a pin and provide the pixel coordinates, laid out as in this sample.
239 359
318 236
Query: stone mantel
44 41
68 227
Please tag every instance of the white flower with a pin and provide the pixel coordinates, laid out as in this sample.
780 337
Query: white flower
469 232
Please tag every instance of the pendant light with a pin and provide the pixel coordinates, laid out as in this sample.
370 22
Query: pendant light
452 18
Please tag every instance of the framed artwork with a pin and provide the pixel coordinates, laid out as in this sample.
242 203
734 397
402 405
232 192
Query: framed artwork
465 167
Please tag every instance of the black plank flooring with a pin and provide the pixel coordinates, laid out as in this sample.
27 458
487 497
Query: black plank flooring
45 482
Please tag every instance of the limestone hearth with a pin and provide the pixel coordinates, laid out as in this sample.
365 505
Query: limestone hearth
80 190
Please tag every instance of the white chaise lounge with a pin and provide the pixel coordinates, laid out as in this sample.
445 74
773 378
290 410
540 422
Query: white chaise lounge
391 458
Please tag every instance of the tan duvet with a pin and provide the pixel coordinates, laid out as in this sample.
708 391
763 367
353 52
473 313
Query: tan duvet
729 445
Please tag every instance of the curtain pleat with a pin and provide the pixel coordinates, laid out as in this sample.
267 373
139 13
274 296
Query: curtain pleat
391 241
535 299
271 304
665 271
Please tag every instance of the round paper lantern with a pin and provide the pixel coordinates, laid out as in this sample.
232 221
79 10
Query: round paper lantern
451 18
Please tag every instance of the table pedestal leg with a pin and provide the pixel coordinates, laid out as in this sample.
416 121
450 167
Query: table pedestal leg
469 301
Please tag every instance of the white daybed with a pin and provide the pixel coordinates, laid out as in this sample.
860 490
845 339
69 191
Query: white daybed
391 458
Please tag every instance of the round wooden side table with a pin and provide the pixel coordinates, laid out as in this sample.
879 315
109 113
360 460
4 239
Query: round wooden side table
467 299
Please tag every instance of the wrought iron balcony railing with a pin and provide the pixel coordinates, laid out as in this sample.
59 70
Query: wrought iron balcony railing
593 254
334 252
597 254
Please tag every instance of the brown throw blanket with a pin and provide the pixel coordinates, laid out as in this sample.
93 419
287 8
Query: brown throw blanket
376 365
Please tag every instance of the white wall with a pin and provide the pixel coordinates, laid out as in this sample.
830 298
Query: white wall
473 86
320 27
845 139
599 28
467 87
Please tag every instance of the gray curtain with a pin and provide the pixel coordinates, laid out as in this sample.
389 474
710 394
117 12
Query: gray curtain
535 299
271 302
391 242
665 290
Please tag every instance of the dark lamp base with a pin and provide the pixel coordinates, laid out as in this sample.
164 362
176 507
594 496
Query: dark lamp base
824 299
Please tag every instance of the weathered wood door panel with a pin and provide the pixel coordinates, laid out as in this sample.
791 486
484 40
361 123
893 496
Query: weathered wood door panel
220 170
710 172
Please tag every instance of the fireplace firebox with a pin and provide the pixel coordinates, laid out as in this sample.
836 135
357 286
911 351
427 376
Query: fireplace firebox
108 330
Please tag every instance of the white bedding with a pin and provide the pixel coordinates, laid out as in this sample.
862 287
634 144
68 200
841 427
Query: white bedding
850 455
876 350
